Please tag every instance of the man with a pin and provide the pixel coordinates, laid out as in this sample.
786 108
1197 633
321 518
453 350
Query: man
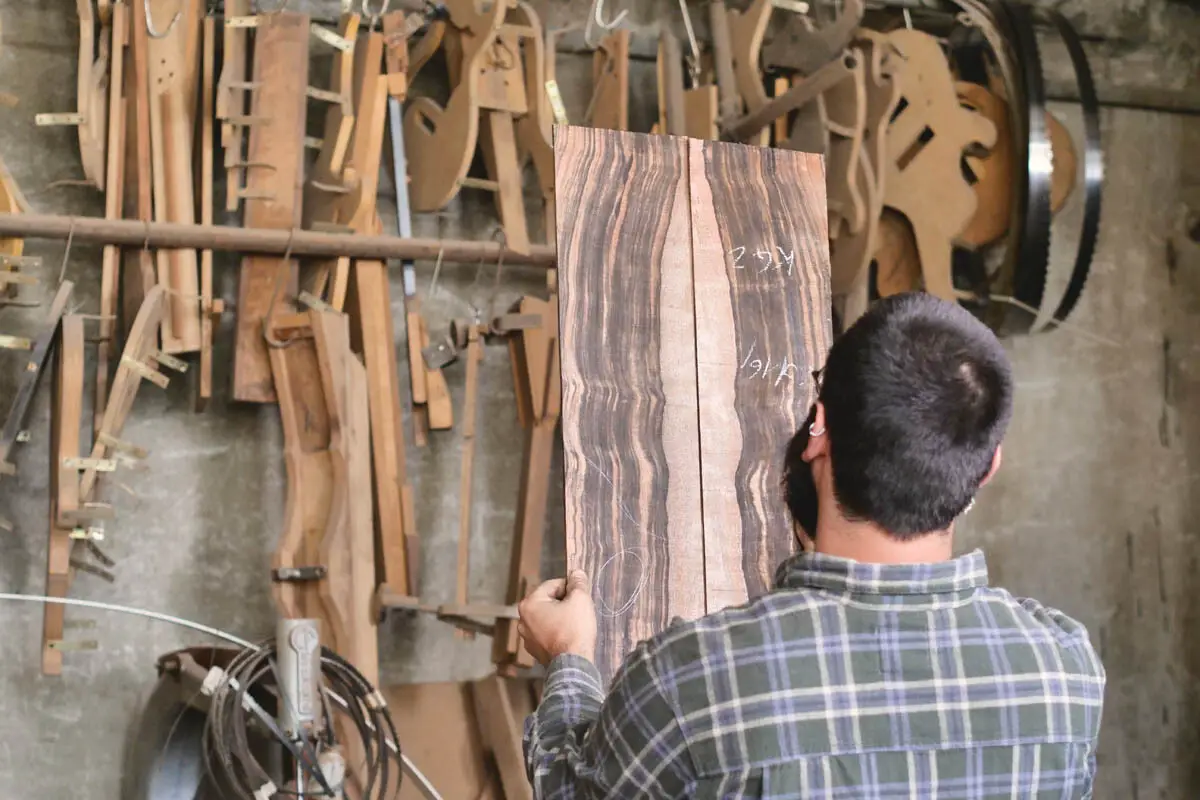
881 666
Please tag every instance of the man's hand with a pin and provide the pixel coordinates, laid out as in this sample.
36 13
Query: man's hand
558 618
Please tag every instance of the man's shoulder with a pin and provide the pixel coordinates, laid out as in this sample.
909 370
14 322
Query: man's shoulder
1044 626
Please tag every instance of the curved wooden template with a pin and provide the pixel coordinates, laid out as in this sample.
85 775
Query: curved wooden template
850 254
92 74
140 342
746 31
306 432
930 189
440 142
339 117
535 138
846 112
420 53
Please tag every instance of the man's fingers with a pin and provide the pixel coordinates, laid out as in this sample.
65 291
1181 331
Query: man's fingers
550 590
578 581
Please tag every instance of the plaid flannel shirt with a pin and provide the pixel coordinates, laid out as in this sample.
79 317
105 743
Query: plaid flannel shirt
850 680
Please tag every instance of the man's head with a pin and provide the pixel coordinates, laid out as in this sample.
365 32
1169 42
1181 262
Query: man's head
914 400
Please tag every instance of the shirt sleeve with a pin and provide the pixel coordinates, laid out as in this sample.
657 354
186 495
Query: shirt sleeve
581 745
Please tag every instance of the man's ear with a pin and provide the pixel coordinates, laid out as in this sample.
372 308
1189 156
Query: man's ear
996 459
818 440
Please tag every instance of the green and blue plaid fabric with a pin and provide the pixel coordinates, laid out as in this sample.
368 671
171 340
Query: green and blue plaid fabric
849 680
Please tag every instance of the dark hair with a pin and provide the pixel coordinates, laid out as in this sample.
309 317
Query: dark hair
917 396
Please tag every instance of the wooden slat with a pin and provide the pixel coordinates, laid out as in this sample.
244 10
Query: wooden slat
113 205
764 329
470 403
672 116
629 410
139 343
497 139
31 374
281 69
700 112
138 270
538 389
232 102
174 65
65 420
204 382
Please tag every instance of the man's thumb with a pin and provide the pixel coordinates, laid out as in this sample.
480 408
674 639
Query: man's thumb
578 581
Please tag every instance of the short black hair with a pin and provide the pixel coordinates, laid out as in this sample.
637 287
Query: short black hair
917 396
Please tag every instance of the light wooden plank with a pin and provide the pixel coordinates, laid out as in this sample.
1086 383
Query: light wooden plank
629 405
610 82
204 381
762 305
138 272
497 139
281 69
113 205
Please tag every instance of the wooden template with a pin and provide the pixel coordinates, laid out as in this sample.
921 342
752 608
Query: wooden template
672 278
65 420
114 200
534 136
92 93
610 82
925 144
538 386
746 31
474 356
174 64
274 181
14 423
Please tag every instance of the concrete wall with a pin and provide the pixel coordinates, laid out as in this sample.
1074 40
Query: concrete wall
1091 512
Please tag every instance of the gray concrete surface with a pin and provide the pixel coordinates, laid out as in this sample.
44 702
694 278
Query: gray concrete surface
1092 511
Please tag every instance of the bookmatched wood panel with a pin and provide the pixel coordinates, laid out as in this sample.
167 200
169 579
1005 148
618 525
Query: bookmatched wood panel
629 381
694 307
760 238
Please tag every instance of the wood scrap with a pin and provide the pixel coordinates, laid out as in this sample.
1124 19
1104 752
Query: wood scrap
208 62
610 82
926 141
30 376
538 388
134 366
114 201
273 186
65 421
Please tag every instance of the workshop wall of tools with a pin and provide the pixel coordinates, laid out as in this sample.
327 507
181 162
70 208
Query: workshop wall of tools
314 148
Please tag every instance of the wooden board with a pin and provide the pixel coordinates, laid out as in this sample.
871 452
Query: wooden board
497 140
690 286
138 274
610 82
65 420
632 479
114 198
438 728
31 374
92 92
273 201
700 112
174 65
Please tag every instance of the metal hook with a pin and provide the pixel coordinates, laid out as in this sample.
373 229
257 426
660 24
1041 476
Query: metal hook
154 34
374 16
596 18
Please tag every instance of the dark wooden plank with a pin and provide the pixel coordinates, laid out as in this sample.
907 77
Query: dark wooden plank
629 407
31 374
760 244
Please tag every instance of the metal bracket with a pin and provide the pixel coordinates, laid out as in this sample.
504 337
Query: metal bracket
325 95
19 278
241 22
309 300
65 118
121 446
298 574
330 38
313 142
99 572
63 645
15 342
20 261
88 534
556 103
169 361
23 436
439 355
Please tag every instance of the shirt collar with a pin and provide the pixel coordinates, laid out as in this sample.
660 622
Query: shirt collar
822 571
